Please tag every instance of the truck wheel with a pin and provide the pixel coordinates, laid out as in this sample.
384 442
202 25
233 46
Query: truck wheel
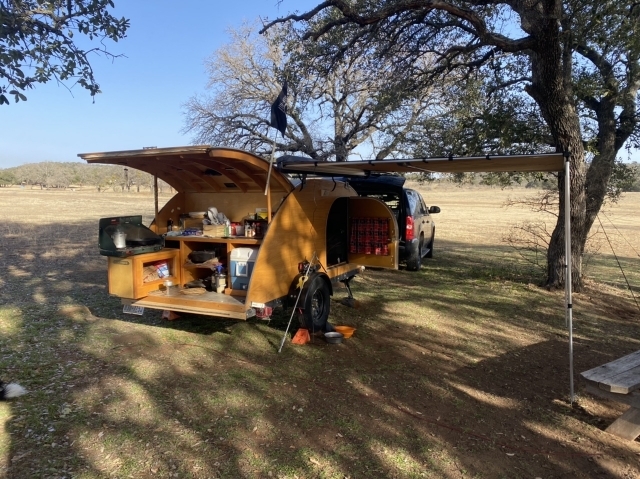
317 305
414 260
430 246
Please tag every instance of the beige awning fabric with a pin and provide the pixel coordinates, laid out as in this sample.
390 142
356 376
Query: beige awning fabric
472 164
201 168
204 168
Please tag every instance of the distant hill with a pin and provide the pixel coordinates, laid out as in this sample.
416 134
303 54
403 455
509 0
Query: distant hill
49 174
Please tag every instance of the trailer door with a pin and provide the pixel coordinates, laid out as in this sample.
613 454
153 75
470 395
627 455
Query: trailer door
373 233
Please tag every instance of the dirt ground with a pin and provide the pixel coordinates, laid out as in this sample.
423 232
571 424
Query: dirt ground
458 371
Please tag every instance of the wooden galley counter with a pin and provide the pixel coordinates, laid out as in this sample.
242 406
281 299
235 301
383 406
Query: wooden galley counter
127 280
223 246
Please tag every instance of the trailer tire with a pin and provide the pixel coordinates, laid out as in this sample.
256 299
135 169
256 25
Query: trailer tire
317 305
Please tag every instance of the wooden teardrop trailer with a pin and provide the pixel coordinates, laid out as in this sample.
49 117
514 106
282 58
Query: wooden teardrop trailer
306 221
316 220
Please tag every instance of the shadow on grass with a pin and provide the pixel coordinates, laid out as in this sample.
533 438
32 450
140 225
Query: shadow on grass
460 369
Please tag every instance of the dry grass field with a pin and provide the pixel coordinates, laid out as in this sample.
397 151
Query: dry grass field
457 371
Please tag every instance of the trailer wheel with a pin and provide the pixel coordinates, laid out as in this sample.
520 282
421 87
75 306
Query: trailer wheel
317 305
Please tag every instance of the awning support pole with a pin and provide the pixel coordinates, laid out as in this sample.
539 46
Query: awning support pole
155 197
568 276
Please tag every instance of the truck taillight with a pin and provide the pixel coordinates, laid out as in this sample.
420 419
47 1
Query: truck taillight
409 229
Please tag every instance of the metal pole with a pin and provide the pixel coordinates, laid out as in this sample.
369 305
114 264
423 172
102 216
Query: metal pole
568 278
306 275
126 178
273 150
155 197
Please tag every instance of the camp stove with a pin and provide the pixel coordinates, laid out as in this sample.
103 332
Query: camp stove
127 236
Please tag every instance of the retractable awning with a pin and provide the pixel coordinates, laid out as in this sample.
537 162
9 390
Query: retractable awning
547 162
470 164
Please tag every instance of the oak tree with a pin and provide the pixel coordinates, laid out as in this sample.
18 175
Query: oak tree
577 60
53 40
331 115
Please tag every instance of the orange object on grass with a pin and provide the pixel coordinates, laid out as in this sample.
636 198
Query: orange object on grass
347 331
301 337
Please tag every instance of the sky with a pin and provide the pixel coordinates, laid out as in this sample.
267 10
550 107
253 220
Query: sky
143 93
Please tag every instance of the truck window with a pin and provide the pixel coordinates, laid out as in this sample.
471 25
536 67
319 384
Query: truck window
414 203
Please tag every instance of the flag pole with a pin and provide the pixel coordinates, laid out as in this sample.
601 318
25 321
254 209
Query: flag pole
273 151
279 122
267 186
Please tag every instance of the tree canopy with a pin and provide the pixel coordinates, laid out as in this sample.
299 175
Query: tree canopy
575 61
332 114
51 40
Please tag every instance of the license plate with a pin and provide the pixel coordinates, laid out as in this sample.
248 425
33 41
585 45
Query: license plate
130 309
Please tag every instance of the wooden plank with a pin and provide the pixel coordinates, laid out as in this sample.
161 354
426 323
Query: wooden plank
120 277
217 240
624 382
632 399
620 376
209 304
626 426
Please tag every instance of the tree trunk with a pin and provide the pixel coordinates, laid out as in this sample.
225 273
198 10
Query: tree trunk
553 93
601 167
556 252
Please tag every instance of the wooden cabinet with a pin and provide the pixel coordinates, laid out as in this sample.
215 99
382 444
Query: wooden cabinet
223 247
127 278
190 271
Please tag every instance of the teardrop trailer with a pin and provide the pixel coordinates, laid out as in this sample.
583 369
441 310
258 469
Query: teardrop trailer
305 222
318 226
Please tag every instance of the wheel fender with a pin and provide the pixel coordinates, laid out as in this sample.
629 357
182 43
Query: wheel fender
299 280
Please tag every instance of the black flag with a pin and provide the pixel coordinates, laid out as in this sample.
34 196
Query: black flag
279 110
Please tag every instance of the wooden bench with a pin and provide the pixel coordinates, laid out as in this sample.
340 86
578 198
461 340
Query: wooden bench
619 381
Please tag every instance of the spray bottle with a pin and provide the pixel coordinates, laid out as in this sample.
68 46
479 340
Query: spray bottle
220 279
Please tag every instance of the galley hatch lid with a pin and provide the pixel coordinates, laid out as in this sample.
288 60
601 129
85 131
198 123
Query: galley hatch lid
200 168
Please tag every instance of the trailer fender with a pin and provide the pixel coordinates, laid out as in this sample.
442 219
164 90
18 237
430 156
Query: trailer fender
304 281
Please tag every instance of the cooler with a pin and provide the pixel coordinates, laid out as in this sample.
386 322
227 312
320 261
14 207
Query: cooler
242 262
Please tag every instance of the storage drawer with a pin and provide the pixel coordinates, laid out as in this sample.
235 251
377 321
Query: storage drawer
132 277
